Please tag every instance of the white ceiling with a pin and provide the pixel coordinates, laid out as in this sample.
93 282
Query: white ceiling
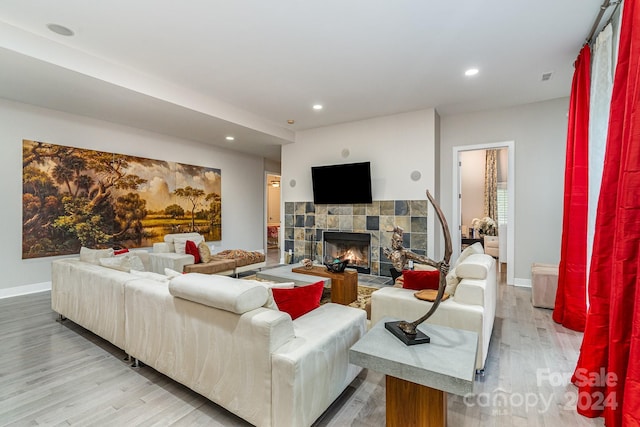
203 69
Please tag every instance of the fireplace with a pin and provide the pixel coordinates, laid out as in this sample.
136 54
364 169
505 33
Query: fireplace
356 247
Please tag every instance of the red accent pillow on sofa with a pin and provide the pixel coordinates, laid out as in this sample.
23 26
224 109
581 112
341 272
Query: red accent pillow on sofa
421 279
300 300
191 249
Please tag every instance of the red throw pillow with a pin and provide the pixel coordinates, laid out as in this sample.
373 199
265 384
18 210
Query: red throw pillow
421 279
300 300
191 249
120 251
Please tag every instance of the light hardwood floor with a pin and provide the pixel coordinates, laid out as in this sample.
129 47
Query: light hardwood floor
54 373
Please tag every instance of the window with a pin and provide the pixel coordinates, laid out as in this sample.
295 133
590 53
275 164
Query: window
503 203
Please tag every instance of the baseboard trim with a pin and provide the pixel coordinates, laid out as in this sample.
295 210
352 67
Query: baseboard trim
25 290
523 283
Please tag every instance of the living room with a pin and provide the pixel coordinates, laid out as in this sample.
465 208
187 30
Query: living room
398 144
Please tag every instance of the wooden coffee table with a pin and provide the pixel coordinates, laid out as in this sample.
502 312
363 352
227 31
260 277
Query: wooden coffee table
344 286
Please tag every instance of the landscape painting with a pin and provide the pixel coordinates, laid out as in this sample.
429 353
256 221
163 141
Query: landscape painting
75 197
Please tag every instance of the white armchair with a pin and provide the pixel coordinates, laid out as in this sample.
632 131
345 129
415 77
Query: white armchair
492 246
496 246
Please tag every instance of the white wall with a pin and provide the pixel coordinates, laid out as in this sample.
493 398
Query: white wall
242 179
539 131
472 178
472 185
395 145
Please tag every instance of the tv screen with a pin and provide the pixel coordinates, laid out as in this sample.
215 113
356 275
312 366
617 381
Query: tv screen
341 184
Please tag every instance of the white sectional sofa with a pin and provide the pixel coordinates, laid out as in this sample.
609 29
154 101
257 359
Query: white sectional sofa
472 284
216 335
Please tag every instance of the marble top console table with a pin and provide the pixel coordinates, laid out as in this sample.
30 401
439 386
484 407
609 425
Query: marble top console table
419 377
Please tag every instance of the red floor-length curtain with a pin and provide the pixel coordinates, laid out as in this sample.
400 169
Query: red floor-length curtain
571 298
608 369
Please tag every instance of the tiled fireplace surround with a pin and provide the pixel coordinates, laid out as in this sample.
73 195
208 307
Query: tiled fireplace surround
304 223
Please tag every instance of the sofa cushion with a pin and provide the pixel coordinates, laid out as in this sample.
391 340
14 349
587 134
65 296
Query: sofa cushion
93 255
476 266
125 262
234 295
144 257
180 243
271 302
452 277
170 273
452 282
168 245
204 251
299 301
162 248
399 282
476 248
418 280
169 238
190 248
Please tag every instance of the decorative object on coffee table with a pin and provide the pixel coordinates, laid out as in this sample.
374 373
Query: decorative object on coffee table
407 332
307 263
336 265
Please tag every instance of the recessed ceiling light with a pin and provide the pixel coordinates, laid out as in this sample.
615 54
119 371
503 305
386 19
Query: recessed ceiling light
60 29
317 107
291 121
471 72
229 138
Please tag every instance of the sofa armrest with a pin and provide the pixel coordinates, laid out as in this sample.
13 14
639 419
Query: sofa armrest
311 371
91 296
172 260
470 291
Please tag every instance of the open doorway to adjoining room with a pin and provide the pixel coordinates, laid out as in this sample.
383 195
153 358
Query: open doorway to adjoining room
273 218
469 186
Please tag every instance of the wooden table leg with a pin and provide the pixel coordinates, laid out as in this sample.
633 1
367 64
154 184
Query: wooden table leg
410 404
344 292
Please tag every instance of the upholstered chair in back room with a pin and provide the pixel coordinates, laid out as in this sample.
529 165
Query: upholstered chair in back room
492 246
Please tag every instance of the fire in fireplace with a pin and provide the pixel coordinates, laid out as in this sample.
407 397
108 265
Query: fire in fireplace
356 247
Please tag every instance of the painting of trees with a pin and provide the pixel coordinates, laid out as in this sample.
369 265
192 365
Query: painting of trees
174 211
75 197
193 195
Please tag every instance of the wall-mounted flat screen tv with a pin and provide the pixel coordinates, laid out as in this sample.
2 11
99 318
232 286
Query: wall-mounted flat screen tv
342 184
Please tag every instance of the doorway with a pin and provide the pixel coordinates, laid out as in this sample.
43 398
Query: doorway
273 217
508 193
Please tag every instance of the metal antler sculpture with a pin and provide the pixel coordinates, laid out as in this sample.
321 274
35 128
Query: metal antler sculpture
407 332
